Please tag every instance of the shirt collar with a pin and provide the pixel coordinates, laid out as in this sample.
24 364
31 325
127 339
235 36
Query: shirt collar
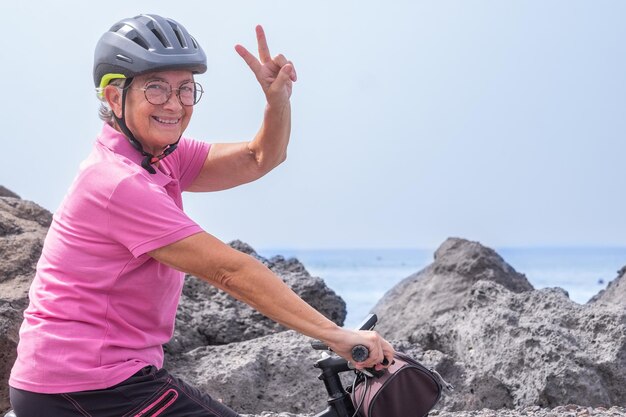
119 144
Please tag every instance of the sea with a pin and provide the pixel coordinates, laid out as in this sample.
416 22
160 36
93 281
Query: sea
363 276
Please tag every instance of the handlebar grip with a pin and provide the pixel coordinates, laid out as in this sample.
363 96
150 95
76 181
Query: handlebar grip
360 353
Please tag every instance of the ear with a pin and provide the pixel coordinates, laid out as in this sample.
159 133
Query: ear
113 96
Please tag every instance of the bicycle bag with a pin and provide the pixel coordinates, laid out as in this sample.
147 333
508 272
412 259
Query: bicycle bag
405 389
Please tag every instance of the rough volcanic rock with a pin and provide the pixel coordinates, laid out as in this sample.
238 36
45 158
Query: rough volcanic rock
519 346
615 292
208 316
441 286
23 227
276 372
5 192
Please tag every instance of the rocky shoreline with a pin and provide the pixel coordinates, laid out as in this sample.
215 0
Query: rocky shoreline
509 349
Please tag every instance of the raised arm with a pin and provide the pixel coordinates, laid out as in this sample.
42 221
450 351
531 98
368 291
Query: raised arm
248 280
231 164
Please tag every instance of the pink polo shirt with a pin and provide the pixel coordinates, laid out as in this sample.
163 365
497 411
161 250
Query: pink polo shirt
100 307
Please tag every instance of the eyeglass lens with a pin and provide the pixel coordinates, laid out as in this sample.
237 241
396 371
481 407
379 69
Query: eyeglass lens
159 92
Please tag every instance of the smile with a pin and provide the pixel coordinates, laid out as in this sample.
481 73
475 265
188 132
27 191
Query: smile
166 121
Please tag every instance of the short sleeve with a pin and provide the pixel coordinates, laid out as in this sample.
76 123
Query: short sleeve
187 160
143 217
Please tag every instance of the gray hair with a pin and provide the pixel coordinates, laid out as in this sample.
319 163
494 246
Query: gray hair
104 112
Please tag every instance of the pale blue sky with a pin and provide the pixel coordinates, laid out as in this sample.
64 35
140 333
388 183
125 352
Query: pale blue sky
498 121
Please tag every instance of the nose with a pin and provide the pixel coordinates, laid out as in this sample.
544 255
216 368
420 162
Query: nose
173 103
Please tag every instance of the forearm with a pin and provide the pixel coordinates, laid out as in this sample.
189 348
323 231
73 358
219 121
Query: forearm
260 288
231 164
248 280
257 286
269 146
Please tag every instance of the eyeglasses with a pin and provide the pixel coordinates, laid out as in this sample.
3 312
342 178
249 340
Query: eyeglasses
159 92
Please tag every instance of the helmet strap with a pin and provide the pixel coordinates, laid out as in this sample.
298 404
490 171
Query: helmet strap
148 159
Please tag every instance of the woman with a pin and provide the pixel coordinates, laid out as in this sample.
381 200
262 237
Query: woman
108 282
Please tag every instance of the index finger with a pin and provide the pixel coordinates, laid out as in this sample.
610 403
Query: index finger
250 59
264 51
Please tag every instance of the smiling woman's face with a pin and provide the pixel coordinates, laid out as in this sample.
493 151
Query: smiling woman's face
157 126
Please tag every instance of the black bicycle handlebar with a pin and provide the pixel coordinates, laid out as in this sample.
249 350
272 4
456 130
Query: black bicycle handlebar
368 324
360 353
339 402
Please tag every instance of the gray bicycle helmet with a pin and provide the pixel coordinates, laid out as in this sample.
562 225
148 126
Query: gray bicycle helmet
143 44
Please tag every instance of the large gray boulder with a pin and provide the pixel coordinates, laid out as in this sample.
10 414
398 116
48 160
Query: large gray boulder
615 292
5 192
442 285
271 373
23 227
518 346
208 316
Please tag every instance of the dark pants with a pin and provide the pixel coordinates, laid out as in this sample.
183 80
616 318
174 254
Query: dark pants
150 392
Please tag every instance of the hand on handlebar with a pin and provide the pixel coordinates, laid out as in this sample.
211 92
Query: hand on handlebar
380 351
363 347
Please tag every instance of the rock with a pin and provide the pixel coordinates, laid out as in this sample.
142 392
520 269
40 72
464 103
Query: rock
208 316
276 372
519 346
439 287
5 192
615 293
23 227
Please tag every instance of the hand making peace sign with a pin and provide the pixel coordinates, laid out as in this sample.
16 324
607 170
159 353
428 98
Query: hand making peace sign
276 75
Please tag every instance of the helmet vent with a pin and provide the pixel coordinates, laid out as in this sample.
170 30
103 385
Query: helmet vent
161 38
124 58
195 44
128 32
140 41
179 36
